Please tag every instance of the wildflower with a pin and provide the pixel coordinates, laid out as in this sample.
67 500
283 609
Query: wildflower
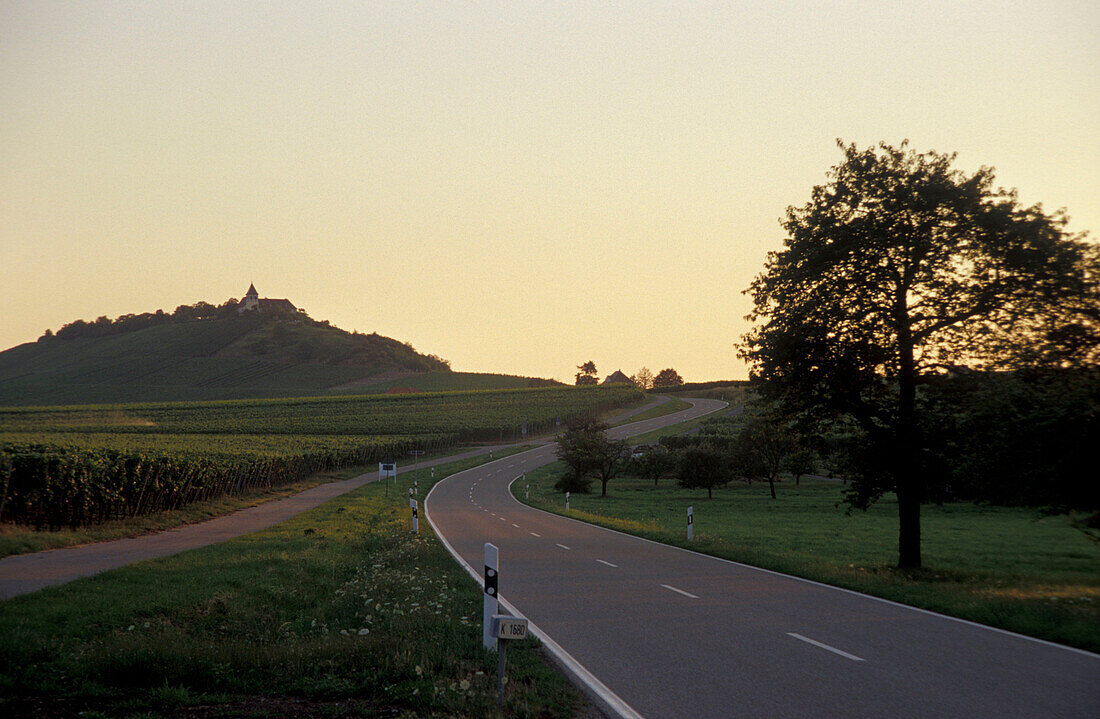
464 684
364 632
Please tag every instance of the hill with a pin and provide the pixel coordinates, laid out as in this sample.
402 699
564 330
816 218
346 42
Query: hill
203 352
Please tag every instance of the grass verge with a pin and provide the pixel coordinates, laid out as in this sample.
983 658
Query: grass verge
1006 567
341 611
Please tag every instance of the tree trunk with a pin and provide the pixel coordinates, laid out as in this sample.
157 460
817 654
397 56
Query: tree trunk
906 472
771 484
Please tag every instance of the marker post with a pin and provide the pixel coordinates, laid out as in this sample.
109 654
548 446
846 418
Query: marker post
490 603
567 501
416 522
691 524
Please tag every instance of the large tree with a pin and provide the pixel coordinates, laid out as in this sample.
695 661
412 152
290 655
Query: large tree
899 267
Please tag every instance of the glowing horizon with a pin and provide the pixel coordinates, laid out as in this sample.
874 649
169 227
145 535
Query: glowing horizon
514 187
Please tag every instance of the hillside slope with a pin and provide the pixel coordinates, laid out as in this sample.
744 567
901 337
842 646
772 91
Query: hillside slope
224 356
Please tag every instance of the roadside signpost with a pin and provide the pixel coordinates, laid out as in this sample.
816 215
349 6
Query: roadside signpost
416 522
506 628
691 524
567 500
387 468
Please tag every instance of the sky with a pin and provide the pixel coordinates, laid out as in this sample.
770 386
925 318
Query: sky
517 187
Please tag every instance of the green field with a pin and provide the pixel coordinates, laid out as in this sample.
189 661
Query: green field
340 611
1012 568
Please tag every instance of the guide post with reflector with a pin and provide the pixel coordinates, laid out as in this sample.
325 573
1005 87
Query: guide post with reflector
490 602
691 524
416 521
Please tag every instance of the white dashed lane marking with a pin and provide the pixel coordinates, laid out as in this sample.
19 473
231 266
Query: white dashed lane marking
679 591
601 561
826 647
563 546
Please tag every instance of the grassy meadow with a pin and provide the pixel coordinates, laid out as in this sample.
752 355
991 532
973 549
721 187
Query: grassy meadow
1012 568
340 611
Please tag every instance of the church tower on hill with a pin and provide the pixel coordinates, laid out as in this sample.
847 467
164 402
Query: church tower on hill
252 302
251 299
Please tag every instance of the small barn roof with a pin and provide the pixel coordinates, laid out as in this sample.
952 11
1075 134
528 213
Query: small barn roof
616 377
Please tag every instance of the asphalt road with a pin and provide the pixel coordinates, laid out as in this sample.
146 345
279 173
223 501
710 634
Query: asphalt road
658 631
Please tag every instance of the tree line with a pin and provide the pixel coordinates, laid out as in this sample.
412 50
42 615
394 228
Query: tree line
643 379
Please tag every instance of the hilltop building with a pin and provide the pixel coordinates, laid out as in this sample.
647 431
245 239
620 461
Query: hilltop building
251 302
616 377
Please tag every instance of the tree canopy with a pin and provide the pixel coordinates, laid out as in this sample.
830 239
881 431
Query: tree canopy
901 267
586 449
667 378
587 374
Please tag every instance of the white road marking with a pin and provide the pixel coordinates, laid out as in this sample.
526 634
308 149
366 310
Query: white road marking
536 534
515 525
608 563
680 591
826 647
563 546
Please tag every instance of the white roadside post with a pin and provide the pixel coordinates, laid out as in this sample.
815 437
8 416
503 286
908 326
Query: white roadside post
567 501
527 492
416 522
412 502
489 604
416 488
691 524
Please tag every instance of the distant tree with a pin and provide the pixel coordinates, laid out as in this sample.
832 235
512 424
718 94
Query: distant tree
667 378
587 374
762 445
897 269
702 467
585 449
653 463
643 378
801 461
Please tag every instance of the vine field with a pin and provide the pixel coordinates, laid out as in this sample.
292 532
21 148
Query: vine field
74 466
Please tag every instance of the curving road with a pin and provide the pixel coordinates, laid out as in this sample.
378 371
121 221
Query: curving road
655 631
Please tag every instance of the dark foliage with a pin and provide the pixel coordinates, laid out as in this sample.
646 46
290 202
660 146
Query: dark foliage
702 468
897 269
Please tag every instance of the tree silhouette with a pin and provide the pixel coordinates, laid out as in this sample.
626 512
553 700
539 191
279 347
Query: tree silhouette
896 269
587 374
667 378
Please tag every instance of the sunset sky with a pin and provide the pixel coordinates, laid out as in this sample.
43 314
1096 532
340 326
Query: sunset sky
517 187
